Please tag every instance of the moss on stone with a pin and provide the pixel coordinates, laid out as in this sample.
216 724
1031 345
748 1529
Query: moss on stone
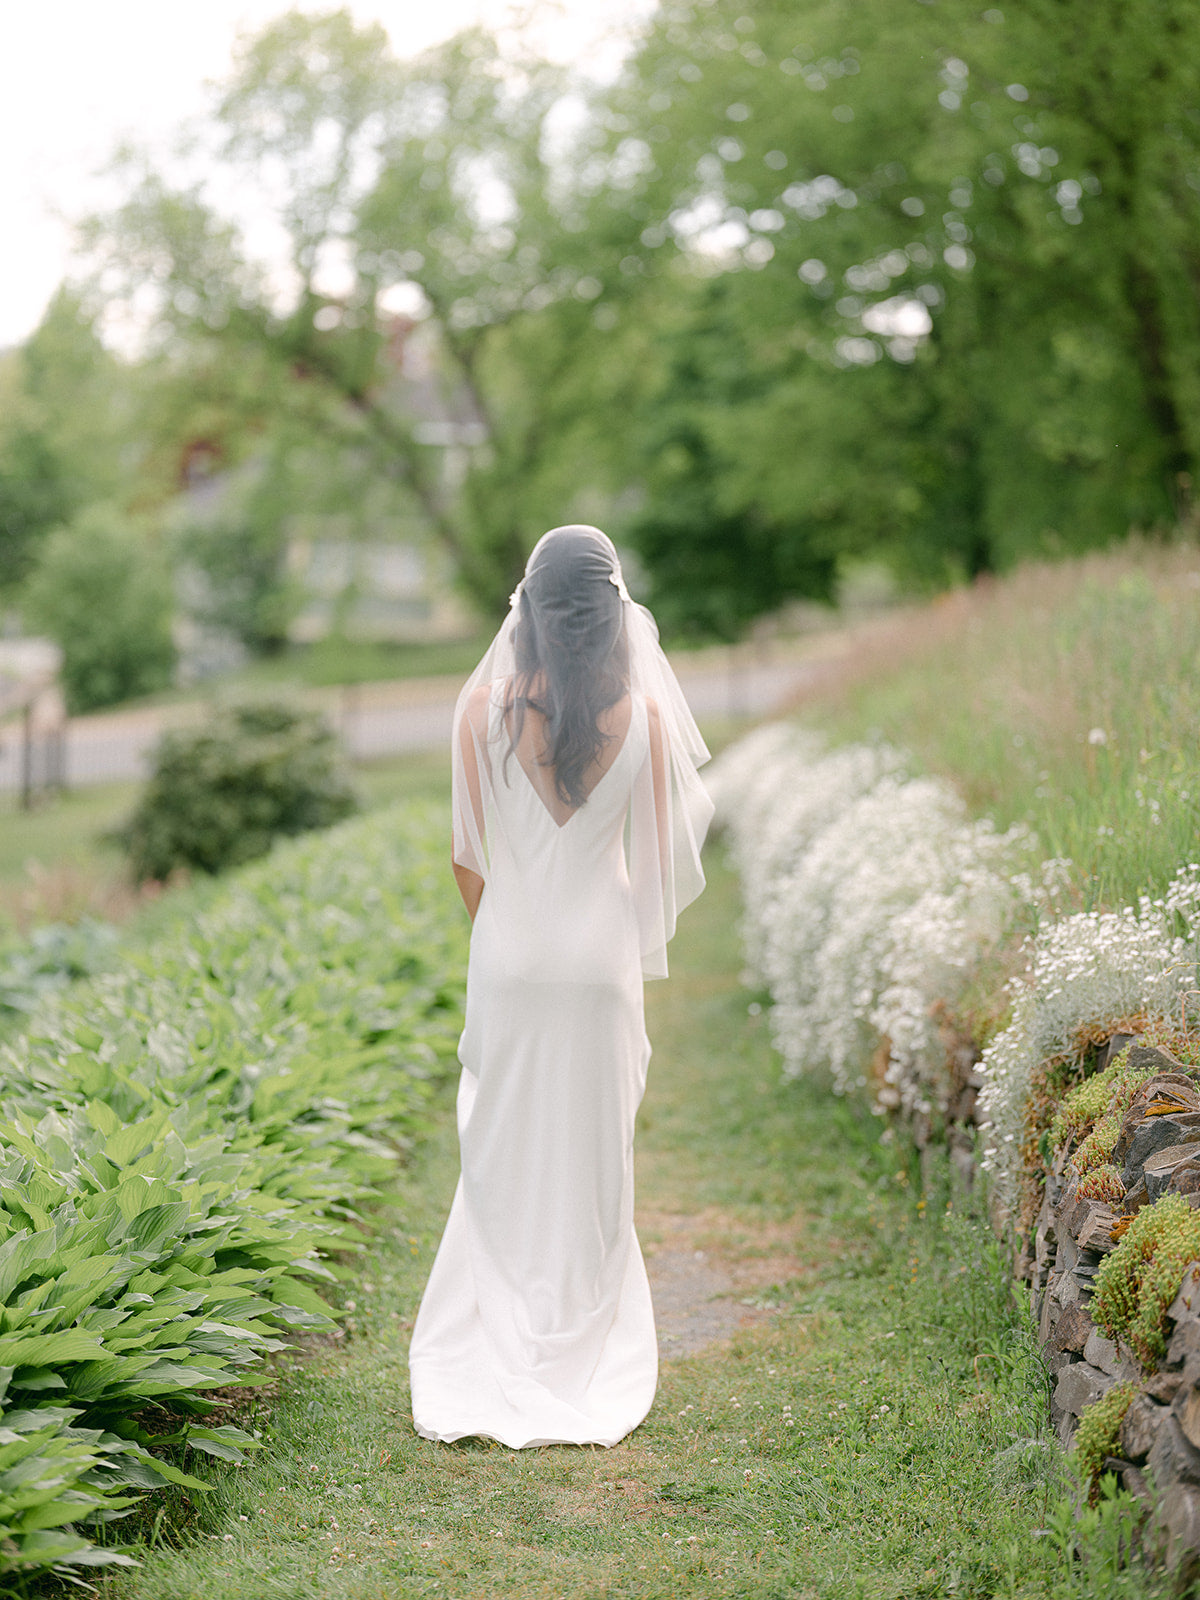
1097 1149
1097 1435
1137 1283
1104 1094
1102 1182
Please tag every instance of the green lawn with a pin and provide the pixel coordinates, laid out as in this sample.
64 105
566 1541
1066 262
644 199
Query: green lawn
880 1433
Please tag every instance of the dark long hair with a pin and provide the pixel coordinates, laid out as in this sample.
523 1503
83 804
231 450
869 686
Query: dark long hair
572 662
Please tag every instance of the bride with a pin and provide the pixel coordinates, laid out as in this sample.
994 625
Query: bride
578 821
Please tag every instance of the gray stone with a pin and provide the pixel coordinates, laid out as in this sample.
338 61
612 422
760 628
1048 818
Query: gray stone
1151 1058
1163 1387
1178 1514
1185 1178
1073 1329
1066 1291
1096 1232
1184 1348
1137 1197
1068 1252
1050 1314
1047 1222
1055 1360
1172 1459
1111 1048
1185 1408
1134 1483
1079 1386
1160 1167
1187 1302
1154 1134
1106 1354
1140 1426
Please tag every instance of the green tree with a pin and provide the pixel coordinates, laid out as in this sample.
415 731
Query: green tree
66 434
102 592
1027 178
444 178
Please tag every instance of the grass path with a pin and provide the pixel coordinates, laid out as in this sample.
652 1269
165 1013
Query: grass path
865 1427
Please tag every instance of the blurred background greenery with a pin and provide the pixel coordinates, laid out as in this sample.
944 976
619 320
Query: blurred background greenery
807 290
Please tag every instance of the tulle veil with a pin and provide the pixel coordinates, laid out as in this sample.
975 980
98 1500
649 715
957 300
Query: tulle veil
667 821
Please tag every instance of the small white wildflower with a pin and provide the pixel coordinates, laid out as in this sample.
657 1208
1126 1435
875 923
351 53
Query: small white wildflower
1097 736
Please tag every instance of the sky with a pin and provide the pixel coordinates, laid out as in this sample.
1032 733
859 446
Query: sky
78 76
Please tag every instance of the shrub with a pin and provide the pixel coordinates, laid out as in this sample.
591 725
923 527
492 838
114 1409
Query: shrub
870 900
1097 1435
221 795
103 593
1137 1283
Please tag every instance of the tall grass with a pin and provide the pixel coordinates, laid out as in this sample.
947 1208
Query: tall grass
1066 696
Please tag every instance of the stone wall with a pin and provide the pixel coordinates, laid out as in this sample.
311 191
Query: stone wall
1158 1151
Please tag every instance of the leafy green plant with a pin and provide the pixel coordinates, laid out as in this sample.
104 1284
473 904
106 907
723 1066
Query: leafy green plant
102 591
184 1137
1138 1281
52 956
221 795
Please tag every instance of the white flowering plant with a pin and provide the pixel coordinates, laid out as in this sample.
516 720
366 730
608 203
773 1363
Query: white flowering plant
872 904
870 900
1083 974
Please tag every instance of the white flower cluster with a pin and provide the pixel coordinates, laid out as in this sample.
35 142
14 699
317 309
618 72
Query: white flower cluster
870 898
1084 971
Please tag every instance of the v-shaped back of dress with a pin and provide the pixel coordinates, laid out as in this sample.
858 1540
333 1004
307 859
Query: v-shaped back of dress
561 891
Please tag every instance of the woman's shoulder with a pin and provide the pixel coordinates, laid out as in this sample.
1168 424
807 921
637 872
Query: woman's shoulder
476 708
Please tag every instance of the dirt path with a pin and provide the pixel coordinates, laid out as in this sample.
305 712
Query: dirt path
709 1272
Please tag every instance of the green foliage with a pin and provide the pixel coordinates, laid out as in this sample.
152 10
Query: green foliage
1097 1435
878 170
183 1138
67 420
885 1376
221 795
882 283
102 592
1138 1281
240 551
1180 1042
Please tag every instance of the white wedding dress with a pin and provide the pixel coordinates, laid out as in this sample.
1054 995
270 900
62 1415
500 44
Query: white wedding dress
536 1326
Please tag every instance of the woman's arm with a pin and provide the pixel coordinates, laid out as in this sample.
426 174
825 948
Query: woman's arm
662 801
470 886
